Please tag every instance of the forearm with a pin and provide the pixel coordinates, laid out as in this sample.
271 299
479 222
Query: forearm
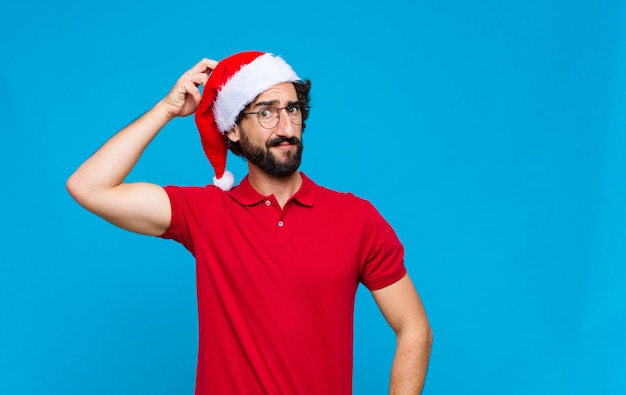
110 164
410 363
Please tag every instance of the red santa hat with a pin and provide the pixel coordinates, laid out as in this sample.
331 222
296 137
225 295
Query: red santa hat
234 83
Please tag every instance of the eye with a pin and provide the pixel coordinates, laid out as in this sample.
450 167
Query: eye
265 114
293 109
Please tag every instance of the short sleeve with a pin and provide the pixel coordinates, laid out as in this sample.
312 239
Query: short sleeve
383 260
190 206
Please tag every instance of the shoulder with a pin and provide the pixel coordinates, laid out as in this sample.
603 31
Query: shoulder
345 202
350 207
345 197
327 194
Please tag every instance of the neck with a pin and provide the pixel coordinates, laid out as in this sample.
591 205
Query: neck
283 188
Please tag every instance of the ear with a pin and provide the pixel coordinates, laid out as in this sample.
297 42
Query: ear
234 135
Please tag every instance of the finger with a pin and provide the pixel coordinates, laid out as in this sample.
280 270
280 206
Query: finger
204 66
192 90
200 79
197 79
184 86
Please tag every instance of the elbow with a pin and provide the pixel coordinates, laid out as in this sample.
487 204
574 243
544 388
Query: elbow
424 335
76 188
419 334
429 337
73 186
424 341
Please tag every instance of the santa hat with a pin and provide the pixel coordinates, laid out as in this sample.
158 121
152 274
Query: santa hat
234 83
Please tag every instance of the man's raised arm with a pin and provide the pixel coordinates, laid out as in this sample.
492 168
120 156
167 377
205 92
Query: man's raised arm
98 184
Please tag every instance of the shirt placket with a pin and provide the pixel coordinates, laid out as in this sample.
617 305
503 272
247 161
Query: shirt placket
277 222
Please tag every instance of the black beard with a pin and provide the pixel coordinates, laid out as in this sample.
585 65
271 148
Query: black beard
263 157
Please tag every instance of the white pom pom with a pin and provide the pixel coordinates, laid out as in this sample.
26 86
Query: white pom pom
226 182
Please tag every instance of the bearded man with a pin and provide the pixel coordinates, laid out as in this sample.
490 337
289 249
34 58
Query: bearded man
278 258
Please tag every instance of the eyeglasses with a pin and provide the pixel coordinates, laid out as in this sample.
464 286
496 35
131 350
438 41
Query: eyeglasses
269 116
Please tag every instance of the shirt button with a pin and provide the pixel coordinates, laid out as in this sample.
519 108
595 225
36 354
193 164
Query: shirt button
280 223
268 203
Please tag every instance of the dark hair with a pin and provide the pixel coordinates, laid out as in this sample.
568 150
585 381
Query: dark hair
302 90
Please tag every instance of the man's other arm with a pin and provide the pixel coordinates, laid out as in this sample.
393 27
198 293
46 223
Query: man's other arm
402 308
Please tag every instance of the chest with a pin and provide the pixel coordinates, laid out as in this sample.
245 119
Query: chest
315 249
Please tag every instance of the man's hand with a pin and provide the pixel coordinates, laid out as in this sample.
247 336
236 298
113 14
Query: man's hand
185 96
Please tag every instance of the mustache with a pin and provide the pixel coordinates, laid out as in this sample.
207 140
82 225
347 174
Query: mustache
279 140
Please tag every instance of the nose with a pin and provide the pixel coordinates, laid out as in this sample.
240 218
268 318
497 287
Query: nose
285 127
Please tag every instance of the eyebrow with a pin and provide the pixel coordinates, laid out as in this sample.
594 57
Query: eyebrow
275 103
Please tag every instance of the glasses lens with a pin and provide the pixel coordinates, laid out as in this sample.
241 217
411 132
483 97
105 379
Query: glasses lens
268 117
295 114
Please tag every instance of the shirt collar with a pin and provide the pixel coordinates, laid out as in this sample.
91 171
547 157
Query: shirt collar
246 195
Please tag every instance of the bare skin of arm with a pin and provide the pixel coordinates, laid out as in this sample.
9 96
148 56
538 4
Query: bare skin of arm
98 184
402 308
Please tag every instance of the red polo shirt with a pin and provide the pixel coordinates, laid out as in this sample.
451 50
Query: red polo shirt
276 287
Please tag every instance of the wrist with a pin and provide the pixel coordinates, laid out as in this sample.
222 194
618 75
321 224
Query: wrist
163 111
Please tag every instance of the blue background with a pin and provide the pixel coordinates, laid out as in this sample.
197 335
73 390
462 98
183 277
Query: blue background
489 134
